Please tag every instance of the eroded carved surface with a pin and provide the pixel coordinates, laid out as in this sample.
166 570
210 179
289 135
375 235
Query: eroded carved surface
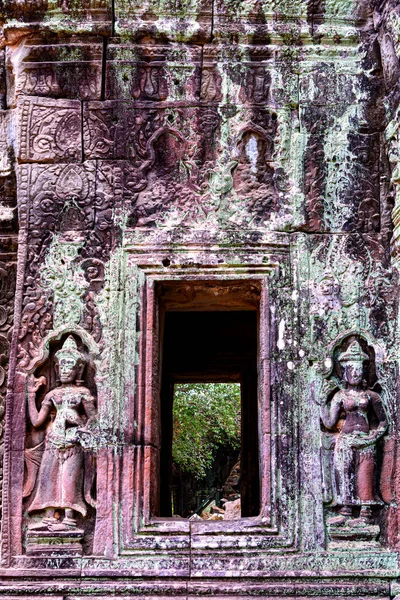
350 453
59 466
199 147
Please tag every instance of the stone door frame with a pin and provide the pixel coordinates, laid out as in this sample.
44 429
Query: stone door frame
143 268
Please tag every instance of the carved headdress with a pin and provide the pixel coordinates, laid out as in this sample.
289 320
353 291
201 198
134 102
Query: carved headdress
353 354
70 349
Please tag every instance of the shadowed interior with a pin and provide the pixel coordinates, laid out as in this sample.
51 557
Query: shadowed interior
212 346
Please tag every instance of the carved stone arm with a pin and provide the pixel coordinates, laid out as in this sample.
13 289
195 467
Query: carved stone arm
37 417
380 412
88 433
330 413
90 408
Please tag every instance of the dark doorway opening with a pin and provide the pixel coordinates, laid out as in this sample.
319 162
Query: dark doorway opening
210 346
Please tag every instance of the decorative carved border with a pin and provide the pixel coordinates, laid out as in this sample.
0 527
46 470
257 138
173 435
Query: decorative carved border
137 464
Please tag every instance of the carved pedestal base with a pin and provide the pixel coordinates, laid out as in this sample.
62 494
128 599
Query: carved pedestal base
353 536
54 543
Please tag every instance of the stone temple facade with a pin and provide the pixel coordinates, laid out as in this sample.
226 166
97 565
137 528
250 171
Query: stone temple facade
165 158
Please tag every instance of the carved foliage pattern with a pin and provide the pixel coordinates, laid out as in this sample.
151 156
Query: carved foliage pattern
77 203
153 73
352 292
76 80
39 10
50 131
7 294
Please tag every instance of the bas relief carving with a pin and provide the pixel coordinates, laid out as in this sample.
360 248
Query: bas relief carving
60 468
258 147
353 421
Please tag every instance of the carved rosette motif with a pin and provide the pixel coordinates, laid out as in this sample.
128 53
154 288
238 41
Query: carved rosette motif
50 131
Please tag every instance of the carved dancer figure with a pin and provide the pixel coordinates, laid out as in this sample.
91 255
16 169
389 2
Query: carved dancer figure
355 446
61 474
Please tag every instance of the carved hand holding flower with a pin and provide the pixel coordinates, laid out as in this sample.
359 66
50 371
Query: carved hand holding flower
34 383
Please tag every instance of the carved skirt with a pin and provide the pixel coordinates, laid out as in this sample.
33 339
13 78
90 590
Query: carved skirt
354 473
60 479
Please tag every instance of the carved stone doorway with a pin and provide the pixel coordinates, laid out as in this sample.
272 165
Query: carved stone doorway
214 345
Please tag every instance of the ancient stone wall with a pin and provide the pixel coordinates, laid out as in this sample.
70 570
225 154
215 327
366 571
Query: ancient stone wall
176 155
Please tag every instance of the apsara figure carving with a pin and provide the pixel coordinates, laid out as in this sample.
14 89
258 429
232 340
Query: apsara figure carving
355 440
60 465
